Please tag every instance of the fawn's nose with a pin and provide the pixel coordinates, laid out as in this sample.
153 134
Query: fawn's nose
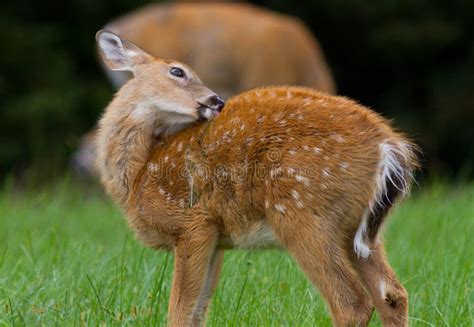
216 103
210 107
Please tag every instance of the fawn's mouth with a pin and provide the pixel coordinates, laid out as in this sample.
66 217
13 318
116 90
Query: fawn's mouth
207 112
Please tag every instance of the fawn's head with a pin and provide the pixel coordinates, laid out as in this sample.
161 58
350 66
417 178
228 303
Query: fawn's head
161 89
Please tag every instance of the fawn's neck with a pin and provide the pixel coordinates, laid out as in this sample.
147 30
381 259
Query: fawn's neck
124 145
127 132
126 138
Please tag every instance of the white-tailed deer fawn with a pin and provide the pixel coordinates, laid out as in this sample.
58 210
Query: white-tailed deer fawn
282 166
273 49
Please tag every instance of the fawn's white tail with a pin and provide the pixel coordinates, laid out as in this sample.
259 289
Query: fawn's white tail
392 180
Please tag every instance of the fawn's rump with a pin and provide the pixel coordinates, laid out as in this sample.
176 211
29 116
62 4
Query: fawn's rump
392 180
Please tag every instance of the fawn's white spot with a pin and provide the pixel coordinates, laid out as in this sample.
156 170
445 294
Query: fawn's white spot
280 207
338 138
326 172
153 167
302 179
295 194
317 150
344 165
275 171
307 101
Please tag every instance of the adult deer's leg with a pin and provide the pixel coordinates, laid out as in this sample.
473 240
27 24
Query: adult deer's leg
212 279
193 256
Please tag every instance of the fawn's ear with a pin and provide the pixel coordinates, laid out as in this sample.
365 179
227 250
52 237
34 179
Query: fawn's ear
119 54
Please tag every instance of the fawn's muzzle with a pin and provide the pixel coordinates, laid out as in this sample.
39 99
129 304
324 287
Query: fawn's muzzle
210 107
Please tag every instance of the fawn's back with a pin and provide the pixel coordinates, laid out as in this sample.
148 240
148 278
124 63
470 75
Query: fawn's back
271 150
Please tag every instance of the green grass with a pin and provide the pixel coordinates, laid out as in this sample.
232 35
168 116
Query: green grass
67 258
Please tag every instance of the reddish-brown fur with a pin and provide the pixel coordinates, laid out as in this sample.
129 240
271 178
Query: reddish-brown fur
280 166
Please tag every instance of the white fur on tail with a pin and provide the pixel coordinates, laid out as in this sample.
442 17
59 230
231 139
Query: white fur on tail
390 155
360 247
390 165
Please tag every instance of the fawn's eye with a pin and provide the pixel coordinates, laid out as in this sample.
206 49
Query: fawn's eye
178 72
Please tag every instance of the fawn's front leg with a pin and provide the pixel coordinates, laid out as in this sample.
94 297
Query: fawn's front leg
193 255
212 280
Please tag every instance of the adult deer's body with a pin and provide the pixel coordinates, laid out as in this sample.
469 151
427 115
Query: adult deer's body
252 46
287 167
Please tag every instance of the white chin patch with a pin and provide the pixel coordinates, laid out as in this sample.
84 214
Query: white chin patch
208 113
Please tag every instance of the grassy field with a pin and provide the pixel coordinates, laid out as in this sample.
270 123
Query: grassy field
66 258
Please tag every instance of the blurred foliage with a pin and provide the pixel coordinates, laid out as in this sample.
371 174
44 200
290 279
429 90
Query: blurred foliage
411 60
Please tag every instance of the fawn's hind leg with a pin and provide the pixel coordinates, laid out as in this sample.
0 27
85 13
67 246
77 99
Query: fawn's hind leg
210 285
389 296
318 249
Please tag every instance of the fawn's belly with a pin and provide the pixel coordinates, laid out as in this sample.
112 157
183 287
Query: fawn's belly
257 235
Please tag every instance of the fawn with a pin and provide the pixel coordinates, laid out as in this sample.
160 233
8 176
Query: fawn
281 167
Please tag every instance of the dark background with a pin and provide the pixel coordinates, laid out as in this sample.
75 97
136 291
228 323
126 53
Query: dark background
410 60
